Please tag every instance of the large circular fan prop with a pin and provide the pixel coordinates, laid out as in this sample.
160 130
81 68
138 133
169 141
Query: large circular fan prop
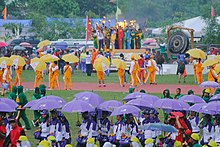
178 43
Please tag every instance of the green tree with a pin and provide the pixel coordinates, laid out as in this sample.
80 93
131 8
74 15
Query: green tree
15 28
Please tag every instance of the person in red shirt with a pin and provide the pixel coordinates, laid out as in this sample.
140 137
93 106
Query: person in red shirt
141 73
2 132
15 133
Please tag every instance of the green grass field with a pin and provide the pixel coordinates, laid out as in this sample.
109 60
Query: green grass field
78 76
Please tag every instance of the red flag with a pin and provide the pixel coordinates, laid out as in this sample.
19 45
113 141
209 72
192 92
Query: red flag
213 12
88 28
4 13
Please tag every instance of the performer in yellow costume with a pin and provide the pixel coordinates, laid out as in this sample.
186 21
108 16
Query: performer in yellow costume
55 75
121 76
38 78
199 69
18 71
67 76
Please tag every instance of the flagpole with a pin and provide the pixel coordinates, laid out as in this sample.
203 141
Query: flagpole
86 29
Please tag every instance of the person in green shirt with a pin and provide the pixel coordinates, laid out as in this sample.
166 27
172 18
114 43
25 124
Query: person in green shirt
190 92
217 91
166 94
194 140
42 89
13 94
178 94
21 101
206 95
37 114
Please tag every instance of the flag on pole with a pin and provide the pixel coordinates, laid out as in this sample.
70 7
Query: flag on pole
213 12
88 28
118 12
4 13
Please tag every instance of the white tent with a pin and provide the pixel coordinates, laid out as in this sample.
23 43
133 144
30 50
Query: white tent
196 23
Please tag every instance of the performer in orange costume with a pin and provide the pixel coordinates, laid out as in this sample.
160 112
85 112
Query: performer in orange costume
212 76
67 76
134 69
18 71
50 74
55 75
199 69
121 76
1 75
100 75
38 78
194 69
94 54
7 78
152 68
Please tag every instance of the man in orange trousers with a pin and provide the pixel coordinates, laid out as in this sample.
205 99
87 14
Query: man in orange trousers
55 75
38 78
67 76
199 69
18 71
121 76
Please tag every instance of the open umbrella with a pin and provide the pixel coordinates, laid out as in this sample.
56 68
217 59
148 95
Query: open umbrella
191 99
171 104
212 106
209 84
26 44
46 105
30 104
38 64
109 105
159 127
209 62
19 48
77 106
89 97
134 95
58 99
197 53
217 68
3 44
44 43
49 58
61 45
70 58
197 107
18 60
126 109
215 98
4 107
119 63
10 102
4 61
101 64
140 103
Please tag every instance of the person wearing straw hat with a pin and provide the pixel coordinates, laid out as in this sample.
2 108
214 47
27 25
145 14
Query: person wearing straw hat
18 71
67 76
212 143
23 141
7 78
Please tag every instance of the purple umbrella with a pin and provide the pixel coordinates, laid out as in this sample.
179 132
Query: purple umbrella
109 105
209 84
77 106
53 98
30 104
6 108
89 97
150 98
171 104
46 104
10 102
140 103
61 45
134 95
197 107
126 109
212 106
215 97
191 99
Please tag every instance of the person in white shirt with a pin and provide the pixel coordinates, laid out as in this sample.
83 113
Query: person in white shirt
88 64
100 39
